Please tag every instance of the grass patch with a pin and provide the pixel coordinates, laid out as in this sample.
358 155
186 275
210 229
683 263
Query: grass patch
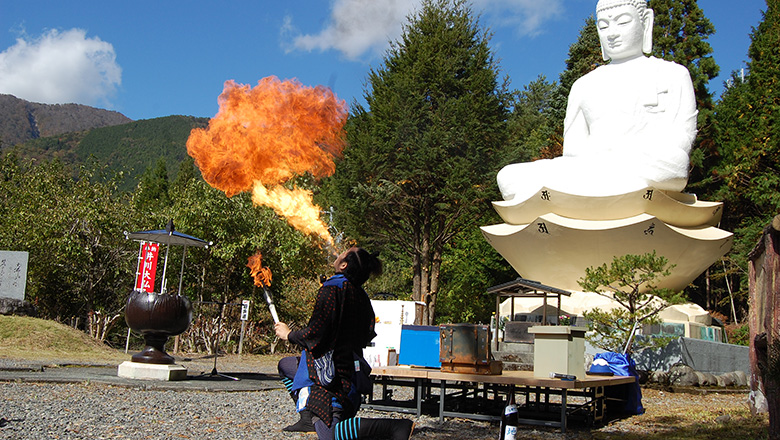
688 416
739 425
40 340
35 339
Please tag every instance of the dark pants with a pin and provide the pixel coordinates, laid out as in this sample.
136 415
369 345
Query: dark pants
287 368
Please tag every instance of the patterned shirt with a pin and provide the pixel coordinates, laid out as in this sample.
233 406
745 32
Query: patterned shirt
342 321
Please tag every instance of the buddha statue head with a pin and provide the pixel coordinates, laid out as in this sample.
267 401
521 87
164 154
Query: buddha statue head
625 29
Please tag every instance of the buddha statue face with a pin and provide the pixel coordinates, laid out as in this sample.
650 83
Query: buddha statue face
625 28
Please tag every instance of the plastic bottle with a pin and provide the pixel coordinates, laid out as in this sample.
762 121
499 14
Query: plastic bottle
509 419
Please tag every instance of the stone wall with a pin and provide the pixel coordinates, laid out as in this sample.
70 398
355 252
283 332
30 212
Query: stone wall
704 356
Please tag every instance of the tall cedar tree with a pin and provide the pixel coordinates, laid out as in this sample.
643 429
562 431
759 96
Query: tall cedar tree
680 35
421 162
530 125
747 125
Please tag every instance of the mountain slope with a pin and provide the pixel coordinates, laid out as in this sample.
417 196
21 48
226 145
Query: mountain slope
21 120
130 148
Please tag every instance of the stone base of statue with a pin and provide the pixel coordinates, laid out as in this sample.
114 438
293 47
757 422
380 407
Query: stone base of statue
552 237
138 370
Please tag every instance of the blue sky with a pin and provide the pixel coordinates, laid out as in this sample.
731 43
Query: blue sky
148 59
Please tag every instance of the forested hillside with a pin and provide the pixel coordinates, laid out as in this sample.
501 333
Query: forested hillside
22 120
130 148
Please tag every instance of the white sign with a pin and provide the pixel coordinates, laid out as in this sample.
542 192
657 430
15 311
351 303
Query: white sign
390 317
245 310
13 274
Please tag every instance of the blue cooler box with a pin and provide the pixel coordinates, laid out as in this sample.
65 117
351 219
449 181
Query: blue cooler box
419 346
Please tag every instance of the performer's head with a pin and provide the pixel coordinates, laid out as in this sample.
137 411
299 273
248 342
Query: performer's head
357 264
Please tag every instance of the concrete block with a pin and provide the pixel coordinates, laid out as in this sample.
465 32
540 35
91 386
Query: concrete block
138 370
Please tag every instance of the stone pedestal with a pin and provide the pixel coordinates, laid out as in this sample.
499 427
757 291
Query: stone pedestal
138 370
559 349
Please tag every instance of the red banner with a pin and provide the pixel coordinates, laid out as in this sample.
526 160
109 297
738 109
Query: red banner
147 267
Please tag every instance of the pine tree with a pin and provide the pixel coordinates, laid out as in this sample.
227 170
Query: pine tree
631 281
421 162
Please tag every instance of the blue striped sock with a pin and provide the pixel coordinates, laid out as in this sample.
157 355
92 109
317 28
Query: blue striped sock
348 429
288 383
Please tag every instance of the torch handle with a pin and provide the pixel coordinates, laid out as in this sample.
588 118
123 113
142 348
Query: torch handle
271 305
273 313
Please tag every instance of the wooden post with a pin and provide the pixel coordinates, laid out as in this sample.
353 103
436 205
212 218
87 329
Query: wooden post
241 338
764 321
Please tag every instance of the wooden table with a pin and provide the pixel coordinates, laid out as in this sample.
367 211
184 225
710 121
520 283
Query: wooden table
476 390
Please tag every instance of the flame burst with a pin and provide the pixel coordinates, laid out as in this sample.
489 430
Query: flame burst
262 275
262 137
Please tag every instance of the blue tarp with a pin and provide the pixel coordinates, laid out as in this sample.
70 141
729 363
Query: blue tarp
630 394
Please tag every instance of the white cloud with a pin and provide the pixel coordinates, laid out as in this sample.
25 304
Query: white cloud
528 17
357 27
60 67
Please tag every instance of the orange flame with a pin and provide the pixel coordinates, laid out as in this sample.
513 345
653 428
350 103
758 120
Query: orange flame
262 137
295 205
262 275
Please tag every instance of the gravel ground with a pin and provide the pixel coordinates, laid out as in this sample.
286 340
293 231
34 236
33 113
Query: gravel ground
43 411
96 411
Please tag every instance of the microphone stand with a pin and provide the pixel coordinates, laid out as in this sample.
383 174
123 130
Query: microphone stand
215 348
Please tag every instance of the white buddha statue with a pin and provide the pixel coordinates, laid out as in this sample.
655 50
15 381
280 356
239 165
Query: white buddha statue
629 124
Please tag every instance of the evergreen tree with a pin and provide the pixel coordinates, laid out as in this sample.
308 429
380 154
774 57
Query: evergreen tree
530 124
747 125
421 162
187 172
151 197
631 281
680 35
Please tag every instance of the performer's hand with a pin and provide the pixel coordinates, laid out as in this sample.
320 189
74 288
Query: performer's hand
282 330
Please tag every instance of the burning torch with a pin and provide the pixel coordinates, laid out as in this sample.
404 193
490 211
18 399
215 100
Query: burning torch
262 276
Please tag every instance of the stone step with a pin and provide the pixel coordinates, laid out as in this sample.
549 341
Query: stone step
517 366
515 347
515 356
507 356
